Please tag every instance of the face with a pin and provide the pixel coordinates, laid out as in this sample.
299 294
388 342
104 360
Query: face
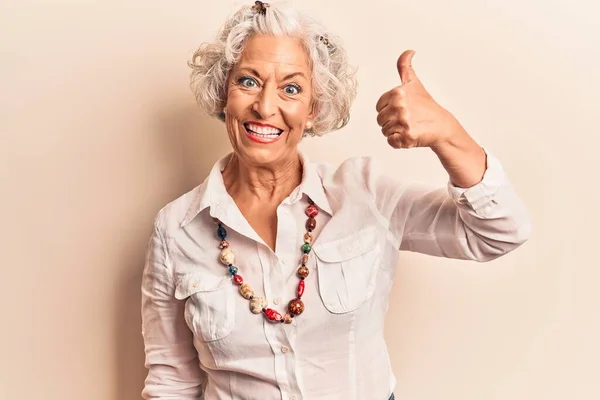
269 99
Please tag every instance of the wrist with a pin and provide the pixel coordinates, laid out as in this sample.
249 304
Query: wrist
453 136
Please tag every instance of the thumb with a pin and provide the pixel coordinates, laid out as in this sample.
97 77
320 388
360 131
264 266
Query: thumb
405 69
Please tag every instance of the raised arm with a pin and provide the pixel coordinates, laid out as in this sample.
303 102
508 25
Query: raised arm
478 216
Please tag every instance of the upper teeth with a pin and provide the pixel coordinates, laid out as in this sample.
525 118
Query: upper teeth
264 130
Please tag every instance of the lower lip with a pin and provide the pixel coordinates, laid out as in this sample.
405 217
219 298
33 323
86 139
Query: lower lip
259 139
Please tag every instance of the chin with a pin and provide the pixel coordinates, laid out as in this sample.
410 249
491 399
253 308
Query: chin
263 155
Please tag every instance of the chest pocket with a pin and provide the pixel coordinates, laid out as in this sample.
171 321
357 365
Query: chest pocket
210 304
347 269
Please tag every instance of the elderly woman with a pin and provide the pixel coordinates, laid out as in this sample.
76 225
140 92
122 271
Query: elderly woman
271 279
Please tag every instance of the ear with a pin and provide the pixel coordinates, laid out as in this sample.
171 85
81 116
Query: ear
313 112
221 115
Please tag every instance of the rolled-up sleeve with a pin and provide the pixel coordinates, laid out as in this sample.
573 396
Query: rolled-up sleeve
172 361
479 223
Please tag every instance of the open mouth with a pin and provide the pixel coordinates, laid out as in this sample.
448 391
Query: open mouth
262 133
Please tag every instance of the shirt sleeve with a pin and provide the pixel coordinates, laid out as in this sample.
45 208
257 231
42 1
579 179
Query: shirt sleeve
479 223
172 361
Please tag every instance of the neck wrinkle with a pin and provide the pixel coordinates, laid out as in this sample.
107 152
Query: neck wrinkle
271 183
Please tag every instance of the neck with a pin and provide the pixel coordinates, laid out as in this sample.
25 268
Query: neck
266 183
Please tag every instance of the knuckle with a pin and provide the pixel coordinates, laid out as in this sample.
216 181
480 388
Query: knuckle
398 103
399 92
404 115
395 141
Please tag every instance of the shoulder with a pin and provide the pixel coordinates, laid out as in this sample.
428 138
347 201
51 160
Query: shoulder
361 172
172 215
361 181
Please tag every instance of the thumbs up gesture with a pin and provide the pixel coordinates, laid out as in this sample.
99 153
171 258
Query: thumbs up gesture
409 116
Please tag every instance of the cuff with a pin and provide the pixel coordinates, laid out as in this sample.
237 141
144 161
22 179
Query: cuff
479 196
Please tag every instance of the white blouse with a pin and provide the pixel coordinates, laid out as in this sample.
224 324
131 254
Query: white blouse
203 342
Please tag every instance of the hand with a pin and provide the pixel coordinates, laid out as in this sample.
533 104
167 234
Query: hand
409 116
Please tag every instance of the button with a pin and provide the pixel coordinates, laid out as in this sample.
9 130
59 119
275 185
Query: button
284 262
293 398
277 300
284 349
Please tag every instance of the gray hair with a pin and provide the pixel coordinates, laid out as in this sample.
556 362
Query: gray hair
333 80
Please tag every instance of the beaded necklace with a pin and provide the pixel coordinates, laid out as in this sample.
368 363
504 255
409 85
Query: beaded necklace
259 304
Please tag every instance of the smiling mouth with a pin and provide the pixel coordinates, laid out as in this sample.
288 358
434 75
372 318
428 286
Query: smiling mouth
263 134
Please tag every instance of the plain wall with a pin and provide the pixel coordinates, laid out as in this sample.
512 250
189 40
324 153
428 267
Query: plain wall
99 130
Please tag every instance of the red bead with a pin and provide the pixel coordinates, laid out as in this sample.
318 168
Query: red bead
273 315
312 210
238 279
301 288
311 223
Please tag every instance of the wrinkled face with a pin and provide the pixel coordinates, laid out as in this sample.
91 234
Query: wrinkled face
269 99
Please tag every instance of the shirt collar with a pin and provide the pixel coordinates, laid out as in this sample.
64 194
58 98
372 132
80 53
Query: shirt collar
212 192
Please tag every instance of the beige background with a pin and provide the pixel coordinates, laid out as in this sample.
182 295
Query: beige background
99 130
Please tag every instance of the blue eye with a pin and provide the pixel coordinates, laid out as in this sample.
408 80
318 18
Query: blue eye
247 82
292 89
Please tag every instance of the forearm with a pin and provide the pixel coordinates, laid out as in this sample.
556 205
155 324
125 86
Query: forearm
480 223
461 156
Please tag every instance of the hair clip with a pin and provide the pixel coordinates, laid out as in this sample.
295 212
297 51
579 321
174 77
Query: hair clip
260 7
324 40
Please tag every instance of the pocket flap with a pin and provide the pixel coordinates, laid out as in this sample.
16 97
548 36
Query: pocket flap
347 247
199 282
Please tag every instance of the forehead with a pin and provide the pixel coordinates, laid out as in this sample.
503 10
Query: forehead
266 52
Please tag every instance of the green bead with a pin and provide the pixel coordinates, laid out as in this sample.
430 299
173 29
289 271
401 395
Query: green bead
233 270
306 248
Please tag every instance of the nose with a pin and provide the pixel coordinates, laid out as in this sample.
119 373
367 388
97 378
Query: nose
266 103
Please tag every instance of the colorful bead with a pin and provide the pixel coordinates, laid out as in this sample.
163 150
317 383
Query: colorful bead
303 271
311 224
221 232
273 315
257 304
308 238
300 290
246 290
296 307
227 257
312 210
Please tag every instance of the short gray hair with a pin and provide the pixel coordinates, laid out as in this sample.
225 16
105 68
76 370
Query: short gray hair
333 79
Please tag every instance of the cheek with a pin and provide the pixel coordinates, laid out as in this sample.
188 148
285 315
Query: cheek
237 102
295 114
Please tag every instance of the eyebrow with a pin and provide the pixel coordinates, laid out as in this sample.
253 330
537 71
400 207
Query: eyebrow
290 76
